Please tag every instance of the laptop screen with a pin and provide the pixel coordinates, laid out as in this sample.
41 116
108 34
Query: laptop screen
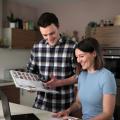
7 113
5 106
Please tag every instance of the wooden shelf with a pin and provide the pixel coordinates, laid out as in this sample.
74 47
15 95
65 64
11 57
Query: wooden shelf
20 39
108 36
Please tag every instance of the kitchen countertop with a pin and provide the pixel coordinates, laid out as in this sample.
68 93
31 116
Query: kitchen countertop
21 109
6 82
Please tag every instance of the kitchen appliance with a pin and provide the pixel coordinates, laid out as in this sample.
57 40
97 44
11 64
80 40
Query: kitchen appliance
112 61
7 111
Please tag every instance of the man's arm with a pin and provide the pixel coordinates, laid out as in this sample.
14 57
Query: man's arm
53 83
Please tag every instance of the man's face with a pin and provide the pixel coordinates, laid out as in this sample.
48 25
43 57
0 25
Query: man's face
50 34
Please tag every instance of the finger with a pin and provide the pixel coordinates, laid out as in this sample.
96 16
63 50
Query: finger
57 115
65 118
54 114
53 77
50 83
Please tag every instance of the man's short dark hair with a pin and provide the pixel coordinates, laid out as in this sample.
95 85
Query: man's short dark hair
47 19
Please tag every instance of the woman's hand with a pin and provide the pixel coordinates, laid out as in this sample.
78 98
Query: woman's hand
62 114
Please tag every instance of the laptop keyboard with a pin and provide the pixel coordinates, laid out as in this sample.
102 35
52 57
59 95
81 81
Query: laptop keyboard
28 116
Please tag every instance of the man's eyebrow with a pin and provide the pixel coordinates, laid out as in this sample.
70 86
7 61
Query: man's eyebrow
52 33
49 33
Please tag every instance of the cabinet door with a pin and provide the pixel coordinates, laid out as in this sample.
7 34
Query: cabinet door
20 39
24 38
27 98
108 36
12 93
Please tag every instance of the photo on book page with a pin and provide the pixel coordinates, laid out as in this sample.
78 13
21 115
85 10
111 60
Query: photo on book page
28 81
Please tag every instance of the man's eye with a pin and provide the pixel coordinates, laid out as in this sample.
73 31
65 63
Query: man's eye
52 33
45 35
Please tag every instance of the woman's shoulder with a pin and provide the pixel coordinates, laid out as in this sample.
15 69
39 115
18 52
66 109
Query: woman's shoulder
105 71
106 75
83 73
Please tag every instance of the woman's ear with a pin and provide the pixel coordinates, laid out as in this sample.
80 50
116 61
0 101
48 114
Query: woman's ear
94 53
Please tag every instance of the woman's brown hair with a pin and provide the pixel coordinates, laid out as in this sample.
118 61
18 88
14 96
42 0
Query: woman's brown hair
90 45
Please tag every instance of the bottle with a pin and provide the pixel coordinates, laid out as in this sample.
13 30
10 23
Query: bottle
101 23
31 25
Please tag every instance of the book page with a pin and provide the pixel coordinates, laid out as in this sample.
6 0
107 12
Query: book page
28 81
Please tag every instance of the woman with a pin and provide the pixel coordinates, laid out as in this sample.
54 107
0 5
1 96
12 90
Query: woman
96 84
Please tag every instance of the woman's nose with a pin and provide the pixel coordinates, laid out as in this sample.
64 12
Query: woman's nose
78 60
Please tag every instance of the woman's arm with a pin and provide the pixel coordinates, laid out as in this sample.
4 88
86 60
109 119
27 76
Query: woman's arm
74 107
108 108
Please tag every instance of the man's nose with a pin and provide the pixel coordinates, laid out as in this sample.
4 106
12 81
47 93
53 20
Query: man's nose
49 37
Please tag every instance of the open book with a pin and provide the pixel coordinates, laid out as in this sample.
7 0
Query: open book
28 81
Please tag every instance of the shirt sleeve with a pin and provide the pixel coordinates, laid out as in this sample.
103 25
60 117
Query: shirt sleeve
31 63
109 85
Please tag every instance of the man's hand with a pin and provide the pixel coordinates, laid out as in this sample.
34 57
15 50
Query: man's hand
53 83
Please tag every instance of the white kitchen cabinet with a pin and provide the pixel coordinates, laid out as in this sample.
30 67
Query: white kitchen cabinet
27 98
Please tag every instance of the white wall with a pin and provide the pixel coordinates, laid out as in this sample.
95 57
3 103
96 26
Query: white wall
12 59
20 10
0 19
75 14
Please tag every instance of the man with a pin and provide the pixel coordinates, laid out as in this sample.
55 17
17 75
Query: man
52 59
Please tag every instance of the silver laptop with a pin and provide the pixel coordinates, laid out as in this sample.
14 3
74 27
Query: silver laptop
7 113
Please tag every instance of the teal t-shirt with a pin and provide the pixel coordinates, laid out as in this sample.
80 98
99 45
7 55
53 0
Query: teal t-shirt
92 87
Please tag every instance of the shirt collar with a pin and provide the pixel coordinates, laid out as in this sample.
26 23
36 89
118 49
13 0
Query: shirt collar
59 41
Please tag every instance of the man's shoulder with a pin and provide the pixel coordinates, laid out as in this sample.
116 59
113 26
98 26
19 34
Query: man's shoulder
68 41
38 45
39 42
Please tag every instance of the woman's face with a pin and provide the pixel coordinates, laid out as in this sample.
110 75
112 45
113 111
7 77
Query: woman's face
86 59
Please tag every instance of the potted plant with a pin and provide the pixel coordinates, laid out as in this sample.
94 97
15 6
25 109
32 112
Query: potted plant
12 20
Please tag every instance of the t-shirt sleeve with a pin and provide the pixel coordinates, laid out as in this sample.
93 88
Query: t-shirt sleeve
109 84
